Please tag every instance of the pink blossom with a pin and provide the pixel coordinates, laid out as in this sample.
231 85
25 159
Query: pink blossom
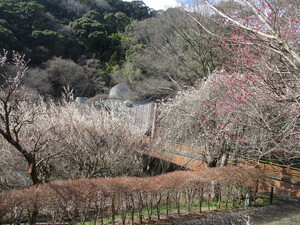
222 126
203 119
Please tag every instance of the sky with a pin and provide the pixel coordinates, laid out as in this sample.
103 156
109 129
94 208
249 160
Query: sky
161 4
164 4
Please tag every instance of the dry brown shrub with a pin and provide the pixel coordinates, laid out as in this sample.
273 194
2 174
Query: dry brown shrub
94 199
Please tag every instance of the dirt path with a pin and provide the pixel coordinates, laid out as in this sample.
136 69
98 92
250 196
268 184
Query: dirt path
286 211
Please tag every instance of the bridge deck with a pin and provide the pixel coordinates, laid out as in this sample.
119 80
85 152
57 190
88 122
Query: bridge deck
286 179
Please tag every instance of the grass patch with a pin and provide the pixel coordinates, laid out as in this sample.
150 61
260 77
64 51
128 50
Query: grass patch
172 210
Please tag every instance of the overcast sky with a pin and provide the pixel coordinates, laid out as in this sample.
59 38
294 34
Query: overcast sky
164 4
161 4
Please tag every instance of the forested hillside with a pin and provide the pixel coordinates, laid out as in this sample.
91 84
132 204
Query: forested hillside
68 28
61 37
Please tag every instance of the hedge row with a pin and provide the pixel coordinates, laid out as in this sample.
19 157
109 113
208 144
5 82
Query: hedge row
95 199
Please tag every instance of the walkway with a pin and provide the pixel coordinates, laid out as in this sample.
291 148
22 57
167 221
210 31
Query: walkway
285 211
286 179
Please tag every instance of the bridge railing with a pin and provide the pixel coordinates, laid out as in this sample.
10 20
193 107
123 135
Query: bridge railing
273 170
281 172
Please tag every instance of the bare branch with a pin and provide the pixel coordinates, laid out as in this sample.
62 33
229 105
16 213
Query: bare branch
239 24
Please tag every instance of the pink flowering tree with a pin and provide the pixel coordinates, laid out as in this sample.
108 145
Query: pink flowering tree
198 117
249 108
260 83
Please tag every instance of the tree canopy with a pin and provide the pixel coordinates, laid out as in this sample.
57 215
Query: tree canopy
77 30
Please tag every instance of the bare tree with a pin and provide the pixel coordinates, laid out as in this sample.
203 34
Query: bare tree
13 115
92 143
58 140
178 50
74 142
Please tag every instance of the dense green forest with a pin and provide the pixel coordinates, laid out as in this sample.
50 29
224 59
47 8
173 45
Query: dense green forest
69 42
69 29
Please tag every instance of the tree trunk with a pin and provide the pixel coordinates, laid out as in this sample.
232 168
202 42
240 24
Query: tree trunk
33 215
212 163
32 170
35 181
224 159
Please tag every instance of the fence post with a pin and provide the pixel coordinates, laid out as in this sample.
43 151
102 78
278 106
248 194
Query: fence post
152 135
281 172
271 194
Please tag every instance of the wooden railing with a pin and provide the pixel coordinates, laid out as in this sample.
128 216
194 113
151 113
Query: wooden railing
272 170
276 171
